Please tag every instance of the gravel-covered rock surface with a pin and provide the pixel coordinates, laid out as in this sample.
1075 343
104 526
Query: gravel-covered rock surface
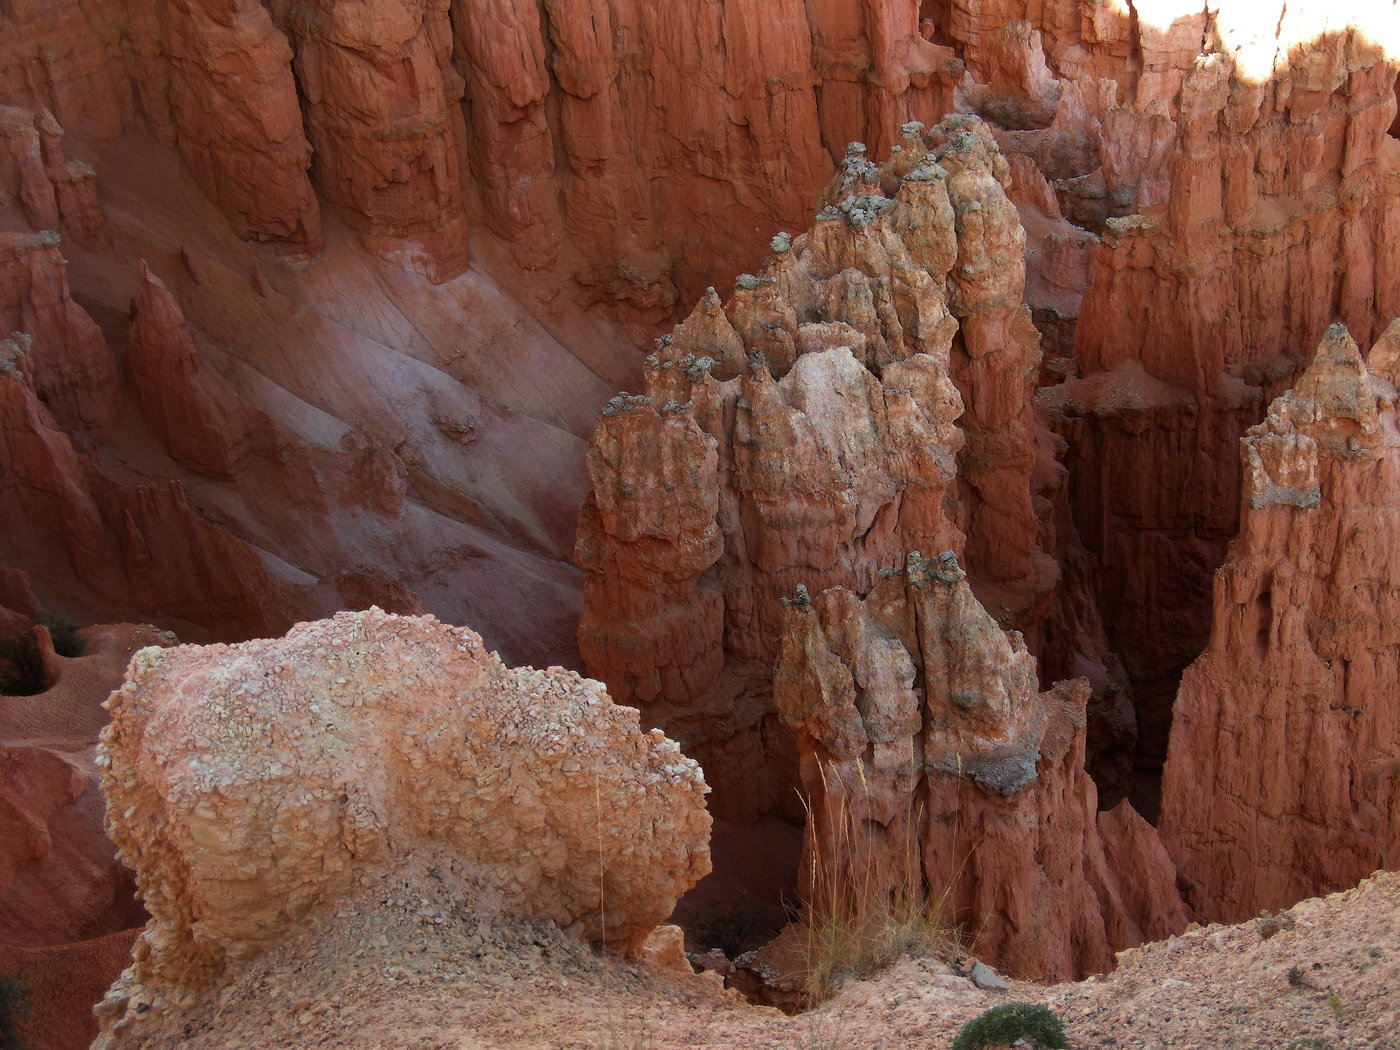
400 967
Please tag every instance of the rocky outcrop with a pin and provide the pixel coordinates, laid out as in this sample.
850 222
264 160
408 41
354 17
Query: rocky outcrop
216 80
196 415
66 57
72 370
933 767
1280 780
251 786
50 190
1202 195
139 548
201 421
804 434
381 102
1235 184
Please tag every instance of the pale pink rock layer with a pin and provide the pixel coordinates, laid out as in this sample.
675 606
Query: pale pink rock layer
1280 777
252 786
803 433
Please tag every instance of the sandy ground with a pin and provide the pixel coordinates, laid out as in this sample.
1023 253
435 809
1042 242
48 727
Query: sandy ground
400 969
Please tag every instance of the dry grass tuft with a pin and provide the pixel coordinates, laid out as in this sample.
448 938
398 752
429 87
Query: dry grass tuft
866 902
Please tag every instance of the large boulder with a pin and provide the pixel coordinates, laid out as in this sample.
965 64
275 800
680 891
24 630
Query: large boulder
252 785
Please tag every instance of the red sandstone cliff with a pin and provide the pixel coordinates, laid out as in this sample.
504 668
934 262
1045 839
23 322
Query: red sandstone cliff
1280 780
284 424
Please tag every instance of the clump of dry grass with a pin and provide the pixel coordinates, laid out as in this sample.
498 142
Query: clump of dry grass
866 903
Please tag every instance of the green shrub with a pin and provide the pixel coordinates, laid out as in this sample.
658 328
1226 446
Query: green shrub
1005 1024
14 1008
64 632
21 666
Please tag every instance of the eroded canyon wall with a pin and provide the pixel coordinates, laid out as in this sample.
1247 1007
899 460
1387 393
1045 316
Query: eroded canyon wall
933 765
867 394
1281 777
1232 180
608 131
222 409
630 150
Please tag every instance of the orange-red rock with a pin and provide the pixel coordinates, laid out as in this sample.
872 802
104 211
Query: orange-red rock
70 366
381 107
1216 163
1199 196
201 421
1285 735
131 548
50 190
215 78
933 766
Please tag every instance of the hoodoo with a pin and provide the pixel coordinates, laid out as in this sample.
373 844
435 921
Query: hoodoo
856 389
1281 778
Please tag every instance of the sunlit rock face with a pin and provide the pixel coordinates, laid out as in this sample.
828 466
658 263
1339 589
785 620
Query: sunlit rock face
1279 781
803 433
253 786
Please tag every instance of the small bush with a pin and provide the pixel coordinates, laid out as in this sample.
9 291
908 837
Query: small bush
64 632
21 666
1036 1026
14 1008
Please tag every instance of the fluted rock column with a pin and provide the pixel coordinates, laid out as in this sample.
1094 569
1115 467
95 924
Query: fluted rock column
1280 778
